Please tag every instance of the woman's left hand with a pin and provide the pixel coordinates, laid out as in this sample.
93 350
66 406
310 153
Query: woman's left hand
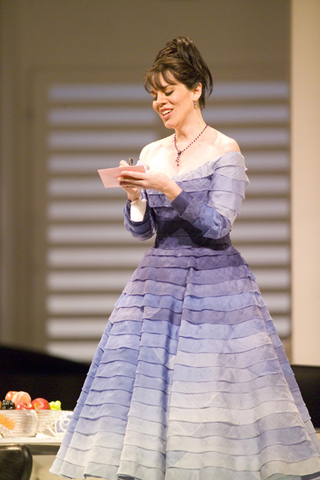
151 180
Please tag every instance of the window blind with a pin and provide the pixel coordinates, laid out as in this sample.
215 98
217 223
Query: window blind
89 254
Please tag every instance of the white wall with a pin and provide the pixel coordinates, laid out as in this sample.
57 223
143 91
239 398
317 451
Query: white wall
305 82
240 39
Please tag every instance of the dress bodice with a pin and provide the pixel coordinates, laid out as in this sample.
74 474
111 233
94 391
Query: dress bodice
174 231
205 211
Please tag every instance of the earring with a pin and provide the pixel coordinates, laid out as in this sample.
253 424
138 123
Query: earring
195 104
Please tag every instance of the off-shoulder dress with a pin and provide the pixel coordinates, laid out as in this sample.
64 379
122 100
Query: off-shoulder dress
190 380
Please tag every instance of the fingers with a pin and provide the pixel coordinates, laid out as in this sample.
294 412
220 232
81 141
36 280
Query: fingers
132 175
123 163
133 178
130 184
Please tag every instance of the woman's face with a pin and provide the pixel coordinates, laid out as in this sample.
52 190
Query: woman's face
174 102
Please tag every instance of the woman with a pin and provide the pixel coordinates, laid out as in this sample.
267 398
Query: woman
190 380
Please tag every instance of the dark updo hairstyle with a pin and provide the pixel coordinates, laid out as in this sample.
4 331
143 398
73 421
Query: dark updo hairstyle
180 58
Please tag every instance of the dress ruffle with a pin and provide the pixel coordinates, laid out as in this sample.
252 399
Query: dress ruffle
190 380
180 389
223 179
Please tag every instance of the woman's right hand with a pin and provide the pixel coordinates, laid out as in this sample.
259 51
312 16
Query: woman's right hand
133 193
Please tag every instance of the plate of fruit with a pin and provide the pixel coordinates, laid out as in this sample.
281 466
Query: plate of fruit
22 416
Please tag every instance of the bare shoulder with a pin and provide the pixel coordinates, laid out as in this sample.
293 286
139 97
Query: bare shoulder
225 144
152 150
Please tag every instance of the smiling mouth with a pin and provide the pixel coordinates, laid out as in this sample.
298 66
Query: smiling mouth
165 113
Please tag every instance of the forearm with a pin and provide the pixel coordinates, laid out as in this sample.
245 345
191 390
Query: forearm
142 229
204 217
171 190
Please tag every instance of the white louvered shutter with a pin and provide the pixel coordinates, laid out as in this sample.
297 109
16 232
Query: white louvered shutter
88 254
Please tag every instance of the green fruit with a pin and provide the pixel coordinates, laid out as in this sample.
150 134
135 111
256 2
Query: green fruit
55 405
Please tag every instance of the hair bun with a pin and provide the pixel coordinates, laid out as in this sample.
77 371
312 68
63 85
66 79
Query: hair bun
180 58
184 42
180 46
185 47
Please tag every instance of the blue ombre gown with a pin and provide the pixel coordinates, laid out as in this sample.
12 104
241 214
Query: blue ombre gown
190 380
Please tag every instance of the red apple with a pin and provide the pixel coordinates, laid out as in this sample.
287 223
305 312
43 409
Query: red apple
41 404
10 394
25 406
21 397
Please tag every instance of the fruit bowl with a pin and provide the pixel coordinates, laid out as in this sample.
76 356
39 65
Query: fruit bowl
53 422
18 423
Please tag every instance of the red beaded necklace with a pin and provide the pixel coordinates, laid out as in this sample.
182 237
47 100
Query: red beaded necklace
179 152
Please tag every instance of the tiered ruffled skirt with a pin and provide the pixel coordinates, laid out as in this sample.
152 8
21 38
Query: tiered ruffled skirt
190 382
